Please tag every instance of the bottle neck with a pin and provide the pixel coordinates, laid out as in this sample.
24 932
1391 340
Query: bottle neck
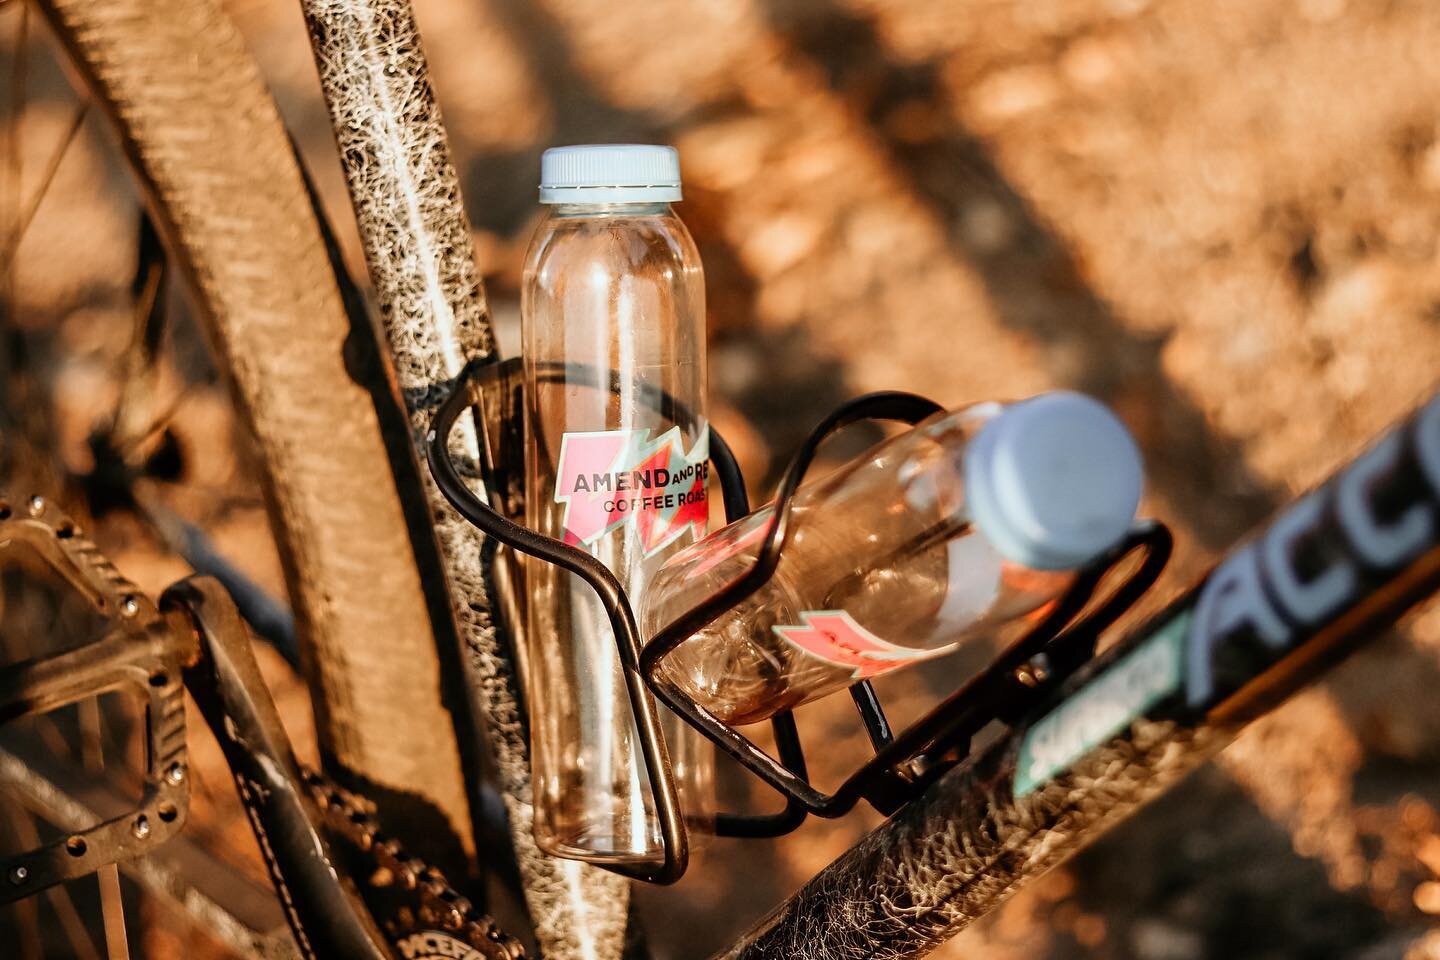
651 208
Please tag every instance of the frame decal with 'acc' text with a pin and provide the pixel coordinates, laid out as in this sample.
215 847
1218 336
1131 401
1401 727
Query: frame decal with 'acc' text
1314 563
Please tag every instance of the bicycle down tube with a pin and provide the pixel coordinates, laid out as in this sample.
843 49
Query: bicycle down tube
1333 569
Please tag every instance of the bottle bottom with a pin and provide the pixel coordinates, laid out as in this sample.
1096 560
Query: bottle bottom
614 820
756 706
597 845
584 844
739 680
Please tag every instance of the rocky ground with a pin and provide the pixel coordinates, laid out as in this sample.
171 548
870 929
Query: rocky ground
1221 218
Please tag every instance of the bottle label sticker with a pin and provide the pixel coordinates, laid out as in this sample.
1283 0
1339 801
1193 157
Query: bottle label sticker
835 637
609 479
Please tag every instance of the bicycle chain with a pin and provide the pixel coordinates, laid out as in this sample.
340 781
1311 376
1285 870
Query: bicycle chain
424 917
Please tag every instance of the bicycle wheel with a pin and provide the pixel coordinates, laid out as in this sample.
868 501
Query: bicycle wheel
207 148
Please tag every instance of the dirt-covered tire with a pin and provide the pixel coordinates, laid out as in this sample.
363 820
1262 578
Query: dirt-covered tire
208 149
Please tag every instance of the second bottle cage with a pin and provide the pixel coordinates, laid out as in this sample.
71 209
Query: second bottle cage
903 764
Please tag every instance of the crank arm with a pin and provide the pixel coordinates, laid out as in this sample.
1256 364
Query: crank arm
325 911
348 891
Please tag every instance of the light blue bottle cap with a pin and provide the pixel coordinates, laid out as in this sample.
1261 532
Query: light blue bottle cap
1053 481
610 173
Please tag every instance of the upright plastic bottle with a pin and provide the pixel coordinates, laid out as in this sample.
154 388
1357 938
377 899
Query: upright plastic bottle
962 529
613 315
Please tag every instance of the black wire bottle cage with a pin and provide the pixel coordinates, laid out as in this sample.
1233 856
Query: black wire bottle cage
902 764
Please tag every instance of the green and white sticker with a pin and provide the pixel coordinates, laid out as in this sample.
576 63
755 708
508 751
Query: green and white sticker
1103 707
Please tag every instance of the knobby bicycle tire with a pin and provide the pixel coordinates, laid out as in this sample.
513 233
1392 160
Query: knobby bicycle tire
207 147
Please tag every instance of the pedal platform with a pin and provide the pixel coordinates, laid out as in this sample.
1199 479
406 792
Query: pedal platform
125 645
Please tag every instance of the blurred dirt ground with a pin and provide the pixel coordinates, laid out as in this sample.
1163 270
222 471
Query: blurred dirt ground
1223 218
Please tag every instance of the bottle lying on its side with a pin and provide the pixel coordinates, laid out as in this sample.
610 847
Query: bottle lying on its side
961 530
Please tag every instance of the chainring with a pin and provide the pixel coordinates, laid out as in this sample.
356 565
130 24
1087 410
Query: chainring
421 914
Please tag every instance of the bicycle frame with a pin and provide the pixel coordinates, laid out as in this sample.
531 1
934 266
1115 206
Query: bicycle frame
1332 570
897 864
1105 742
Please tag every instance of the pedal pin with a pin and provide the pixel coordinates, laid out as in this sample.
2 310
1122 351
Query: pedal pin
18 876
141 827
175 773
1035 672
37 505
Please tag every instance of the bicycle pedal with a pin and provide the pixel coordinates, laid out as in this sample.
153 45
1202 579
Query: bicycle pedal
127 646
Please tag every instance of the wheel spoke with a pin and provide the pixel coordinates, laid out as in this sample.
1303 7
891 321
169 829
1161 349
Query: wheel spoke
127 444
81 946
137 367
24 217
112 906
13 146
64 907
117 945
25 912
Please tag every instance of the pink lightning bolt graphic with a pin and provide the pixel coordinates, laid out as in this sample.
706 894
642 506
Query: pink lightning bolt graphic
693 512
652 522
584 454
835 637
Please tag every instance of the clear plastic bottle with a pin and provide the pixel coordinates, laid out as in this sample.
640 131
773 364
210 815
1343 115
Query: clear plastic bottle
966 527
613 288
